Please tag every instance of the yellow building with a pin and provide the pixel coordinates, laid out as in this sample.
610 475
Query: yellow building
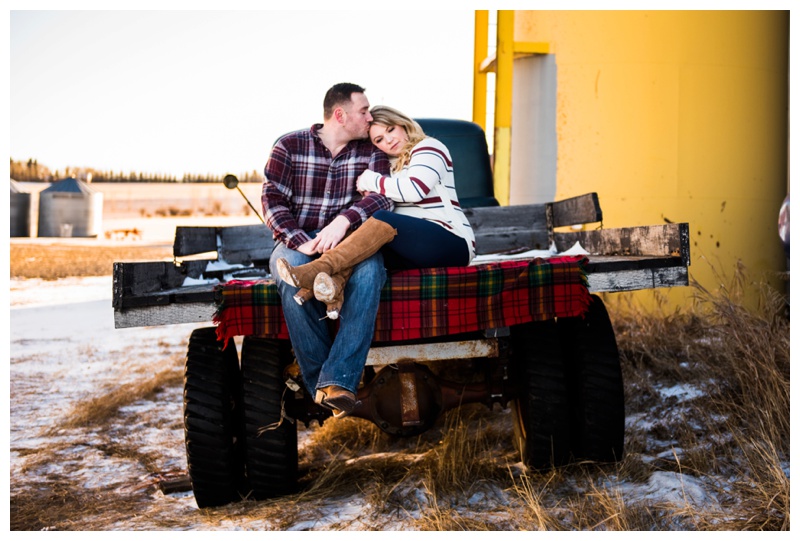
675 116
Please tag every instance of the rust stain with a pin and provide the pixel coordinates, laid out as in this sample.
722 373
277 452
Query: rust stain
597 84
409 406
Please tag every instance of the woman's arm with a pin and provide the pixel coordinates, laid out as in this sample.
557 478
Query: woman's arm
430 162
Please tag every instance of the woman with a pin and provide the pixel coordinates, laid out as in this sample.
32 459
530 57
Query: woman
426 207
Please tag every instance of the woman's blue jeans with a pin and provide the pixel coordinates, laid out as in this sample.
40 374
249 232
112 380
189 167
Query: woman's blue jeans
324 359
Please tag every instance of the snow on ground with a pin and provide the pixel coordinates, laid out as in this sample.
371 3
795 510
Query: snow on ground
64 348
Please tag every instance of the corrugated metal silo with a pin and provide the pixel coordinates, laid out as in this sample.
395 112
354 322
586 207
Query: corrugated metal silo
20 211
70 208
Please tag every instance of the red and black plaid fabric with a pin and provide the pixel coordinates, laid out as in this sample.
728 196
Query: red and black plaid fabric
425 303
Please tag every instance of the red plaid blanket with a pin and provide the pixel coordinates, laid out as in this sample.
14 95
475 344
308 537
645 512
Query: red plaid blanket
431 302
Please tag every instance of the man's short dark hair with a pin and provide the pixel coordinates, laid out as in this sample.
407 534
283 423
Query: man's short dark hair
338 94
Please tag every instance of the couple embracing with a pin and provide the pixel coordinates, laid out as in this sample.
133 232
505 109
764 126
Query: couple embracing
363 192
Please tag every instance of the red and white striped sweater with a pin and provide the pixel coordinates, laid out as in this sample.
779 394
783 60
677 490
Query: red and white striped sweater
419 188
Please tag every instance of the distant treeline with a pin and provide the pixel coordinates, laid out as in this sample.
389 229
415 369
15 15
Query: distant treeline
32 171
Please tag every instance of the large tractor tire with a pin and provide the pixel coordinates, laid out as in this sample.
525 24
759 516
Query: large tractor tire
212 419
541 409
271 439
595 386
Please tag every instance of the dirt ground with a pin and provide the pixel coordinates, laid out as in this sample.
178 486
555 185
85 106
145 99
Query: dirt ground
53 261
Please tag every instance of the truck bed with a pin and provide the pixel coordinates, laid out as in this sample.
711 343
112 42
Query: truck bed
622 259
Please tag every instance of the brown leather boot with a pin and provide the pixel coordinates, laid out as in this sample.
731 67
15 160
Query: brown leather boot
339 399
358 246
330 290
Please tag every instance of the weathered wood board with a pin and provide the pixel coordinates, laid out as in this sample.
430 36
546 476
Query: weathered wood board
655 240
237 244
584 209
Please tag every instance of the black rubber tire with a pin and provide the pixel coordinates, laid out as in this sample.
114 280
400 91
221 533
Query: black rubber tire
541 410
212 419
270 455
594 376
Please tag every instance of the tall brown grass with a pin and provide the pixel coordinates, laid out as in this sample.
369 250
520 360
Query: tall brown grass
739 356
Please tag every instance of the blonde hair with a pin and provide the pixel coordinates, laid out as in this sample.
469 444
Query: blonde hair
387 116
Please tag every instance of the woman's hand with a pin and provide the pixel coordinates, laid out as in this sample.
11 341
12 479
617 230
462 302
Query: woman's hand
362 180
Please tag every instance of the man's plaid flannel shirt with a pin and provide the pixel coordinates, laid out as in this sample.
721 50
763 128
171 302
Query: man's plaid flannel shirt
305 189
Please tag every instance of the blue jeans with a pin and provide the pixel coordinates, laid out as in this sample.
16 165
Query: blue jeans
324 359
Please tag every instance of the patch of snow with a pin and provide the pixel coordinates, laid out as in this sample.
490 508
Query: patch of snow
37 292
576 249
189 281
683 392
669 487
221 264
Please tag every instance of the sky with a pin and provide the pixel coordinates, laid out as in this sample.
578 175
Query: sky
202 91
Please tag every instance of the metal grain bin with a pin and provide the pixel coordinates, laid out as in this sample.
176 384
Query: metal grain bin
70 208
20 211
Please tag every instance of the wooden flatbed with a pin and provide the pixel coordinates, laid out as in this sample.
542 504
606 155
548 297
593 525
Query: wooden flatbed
620 259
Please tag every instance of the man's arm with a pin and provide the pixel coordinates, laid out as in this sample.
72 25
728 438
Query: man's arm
276 195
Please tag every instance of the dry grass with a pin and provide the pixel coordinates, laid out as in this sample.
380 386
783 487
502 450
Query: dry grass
739 428
98 409
53 261
59 502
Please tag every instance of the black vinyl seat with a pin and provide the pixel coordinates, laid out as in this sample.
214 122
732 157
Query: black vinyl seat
473 170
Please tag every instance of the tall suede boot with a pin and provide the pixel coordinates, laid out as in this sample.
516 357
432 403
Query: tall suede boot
358 246
330 290
302 296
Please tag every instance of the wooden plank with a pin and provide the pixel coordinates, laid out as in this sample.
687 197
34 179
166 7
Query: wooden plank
633 280
512 217
606 264
138 279
504 240
500 229
192 240
170 314
245 244
234 244
182 483
157 283
583 209
654 240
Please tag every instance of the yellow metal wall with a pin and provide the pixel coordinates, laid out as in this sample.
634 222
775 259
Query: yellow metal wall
675 115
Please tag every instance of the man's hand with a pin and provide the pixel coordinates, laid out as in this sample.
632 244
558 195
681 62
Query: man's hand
309 248
328 237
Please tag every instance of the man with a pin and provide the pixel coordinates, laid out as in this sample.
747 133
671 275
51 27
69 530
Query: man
310 203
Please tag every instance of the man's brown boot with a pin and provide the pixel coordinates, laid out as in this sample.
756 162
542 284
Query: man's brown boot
339 399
